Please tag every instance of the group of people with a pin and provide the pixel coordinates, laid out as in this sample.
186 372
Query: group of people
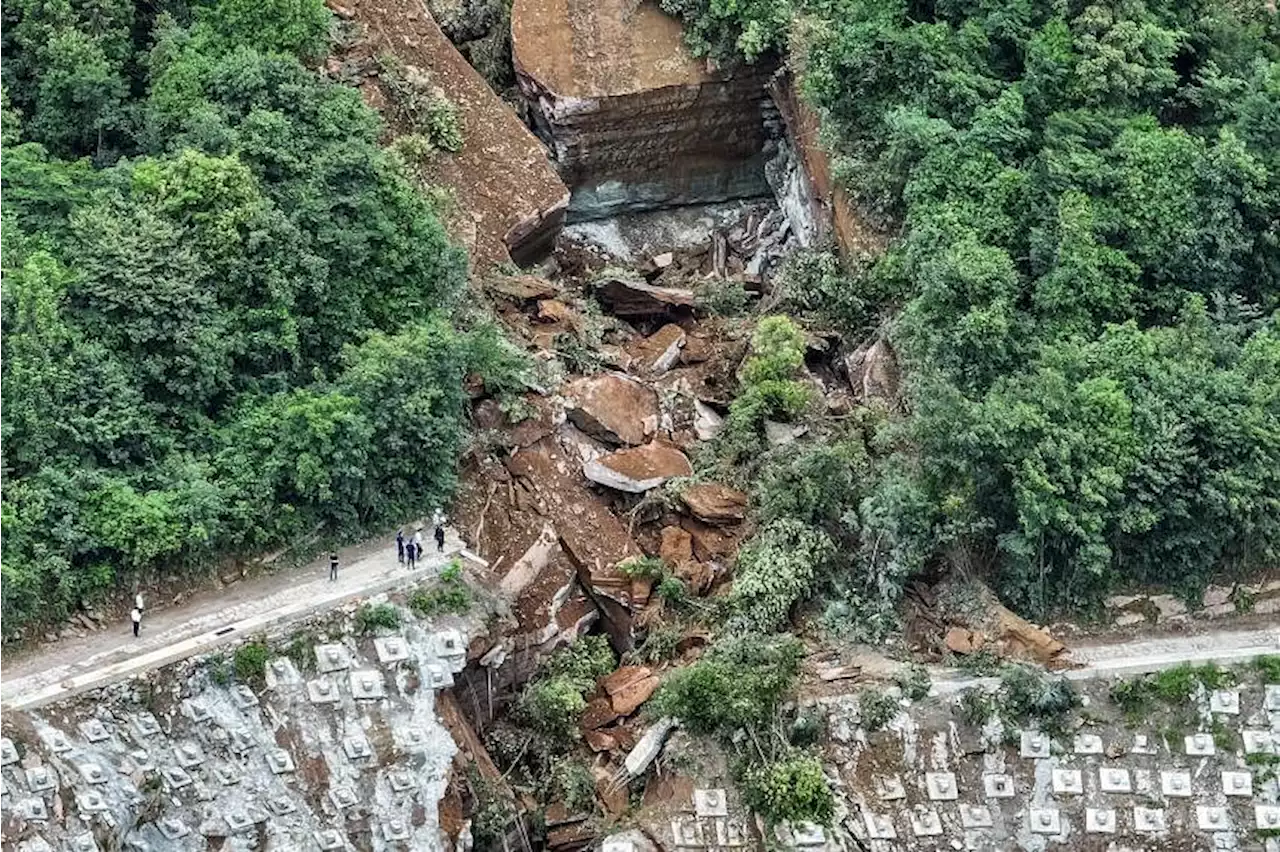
410 550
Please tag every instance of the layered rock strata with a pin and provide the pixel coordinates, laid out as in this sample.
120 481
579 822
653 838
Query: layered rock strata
634 121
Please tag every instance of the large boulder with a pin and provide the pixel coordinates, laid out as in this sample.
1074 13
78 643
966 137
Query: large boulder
613 408
627 297
638 469
660 351
873 373
715 504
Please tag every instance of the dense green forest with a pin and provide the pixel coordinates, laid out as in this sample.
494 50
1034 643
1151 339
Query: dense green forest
1084 283
227 313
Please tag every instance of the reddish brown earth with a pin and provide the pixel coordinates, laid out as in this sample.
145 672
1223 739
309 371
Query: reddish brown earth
510 201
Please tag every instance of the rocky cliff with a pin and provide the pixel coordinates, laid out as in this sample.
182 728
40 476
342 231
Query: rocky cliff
633 120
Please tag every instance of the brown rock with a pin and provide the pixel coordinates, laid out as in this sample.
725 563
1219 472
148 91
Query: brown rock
632 298
553 310
709 543
960 641
638 469
599 713
613 408
624 677
613 796
698 577
628 699
522 287
677 546
715 504
600 741
659 352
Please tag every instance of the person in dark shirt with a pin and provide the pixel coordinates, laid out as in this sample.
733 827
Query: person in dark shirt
333 565
400 546
439 538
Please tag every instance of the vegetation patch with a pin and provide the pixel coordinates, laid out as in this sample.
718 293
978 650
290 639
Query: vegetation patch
371 618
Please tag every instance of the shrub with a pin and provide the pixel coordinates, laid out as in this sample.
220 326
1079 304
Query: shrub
877 708
573 785
977 706
724 297
373 617
672 590
1027 694
250 662
582 663
790 789
644 568
552 706
739 683
815 282
775 571
658 647
914 681
1268 666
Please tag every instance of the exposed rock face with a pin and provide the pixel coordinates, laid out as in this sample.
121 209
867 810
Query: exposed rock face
634 120
873 372
613 408
634 298
715 504
500 218
638 469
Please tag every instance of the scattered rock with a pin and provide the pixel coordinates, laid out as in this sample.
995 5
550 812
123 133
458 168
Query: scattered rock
659 352
553 310
709 542
600 740
662 261
1216 596
632 298
638 469
698 577
873 372
779 434
1168 606
715 504
839 673
613 408
677 546
613 796
627 693
707 424
1121 601
522 287
1127 619
599 713
959 640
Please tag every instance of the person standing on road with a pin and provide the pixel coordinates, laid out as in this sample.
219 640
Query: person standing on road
411 551
417 542
400 546
137 602
333 565
439 538
136 615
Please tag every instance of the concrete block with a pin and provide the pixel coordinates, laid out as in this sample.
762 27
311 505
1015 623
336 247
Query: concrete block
710 803
1175 783
1199 745
279 761
437 676
687 832
410 739
34 810
332 658
357 748
450 648
618 843
1212 818
1142 744
998 786
1068 782
400 781
145 724
176 777
281 673
1267 817
395 830
732 833
8 752
1099 821
35 844
173 828
328 838
1149 820
879 826
808 835
941 786
92 773
188 755
1224 701
1258 741
343 797
55 741
91 802
367 685
195 710
41 778
391 649
322 690
281 805
1035 745
975 816
1237 783
1271 698
94 731
925 823
1114 780
237 821
890 788
1044 820
241 742
1087 744
226 775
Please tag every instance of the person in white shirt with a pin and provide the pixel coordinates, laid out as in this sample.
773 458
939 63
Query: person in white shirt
137 602
136 615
